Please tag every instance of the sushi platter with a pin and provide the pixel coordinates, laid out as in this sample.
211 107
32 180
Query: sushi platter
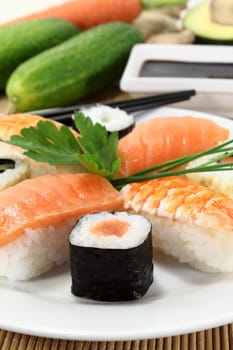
94 246
181 299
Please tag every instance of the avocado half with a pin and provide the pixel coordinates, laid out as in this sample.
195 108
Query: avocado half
198 20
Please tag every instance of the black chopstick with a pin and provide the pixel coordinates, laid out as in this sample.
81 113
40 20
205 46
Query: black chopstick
137 104
129 105
152 104
67 117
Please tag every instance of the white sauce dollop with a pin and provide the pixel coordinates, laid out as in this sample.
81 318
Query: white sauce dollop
114 119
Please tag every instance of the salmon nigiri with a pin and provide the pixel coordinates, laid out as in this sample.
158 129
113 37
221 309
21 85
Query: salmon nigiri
190 222
37 214
160 139
12 124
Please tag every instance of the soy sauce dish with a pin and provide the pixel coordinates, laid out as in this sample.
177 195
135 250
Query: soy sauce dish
208 69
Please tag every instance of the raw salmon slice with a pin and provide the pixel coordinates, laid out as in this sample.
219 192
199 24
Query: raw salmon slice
158 140
12 124
53 199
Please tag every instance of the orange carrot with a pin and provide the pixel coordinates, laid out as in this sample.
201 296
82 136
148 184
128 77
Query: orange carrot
89 13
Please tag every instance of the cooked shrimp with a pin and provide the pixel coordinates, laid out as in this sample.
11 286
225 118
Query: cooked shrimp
190 222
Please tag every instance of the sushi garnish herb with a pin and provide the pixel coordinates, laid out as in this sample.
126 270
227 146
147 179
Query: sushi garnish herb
171 167
96 150
6 164
99 148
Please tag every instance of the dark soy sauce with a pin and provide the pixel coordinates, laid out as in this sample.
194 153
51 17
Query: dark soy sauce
180 69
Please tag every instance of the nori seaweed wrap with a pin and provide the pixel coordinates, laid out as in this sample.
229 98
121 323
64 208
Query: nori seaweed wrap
101 272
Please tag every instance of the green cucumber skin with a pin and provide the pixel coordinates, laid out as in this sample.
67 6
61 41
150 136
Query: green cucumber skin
77 68
21 41
147 4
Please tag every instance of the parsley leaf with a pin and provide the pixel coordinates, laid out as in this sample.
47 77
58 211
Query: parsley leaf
100 147
47 143
94 148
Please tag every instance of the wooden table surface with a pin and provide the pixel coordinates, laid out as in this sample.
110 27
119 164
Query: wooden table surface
111 94
219 338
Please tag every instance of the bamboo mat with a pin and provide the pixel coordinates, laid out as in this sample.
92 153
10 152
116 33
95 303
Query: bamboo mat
220 338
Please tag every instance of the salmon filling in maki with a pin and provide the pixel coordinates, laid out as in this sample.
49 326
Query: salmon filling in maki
110 227
111 256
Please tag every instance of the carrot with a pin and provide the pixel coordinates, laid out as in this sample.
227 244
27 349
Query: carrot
89 13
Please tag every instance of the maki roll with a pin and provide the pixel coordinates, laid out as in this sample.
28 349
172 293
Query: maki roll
111 256
113 119
14 167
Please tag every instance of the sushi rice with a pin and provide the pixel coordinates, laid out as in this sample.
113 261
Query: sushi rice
190 222
221 181
35 252
83 236
37 215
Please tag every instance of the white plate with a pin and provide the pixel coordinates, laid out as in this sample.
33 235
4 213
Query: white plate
181 299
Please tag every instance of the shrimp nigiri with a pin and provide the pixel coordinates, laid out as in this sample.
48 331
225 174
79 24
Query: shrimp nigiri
160 139
37 214
190 222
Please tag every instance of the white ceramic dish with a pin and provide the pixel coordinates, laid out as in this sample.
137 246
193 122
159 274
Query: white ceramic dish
213 95
181 299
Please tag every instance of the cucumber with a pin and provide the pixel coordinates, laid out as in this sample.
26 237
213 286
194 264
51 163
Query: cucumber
20 41
77 68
